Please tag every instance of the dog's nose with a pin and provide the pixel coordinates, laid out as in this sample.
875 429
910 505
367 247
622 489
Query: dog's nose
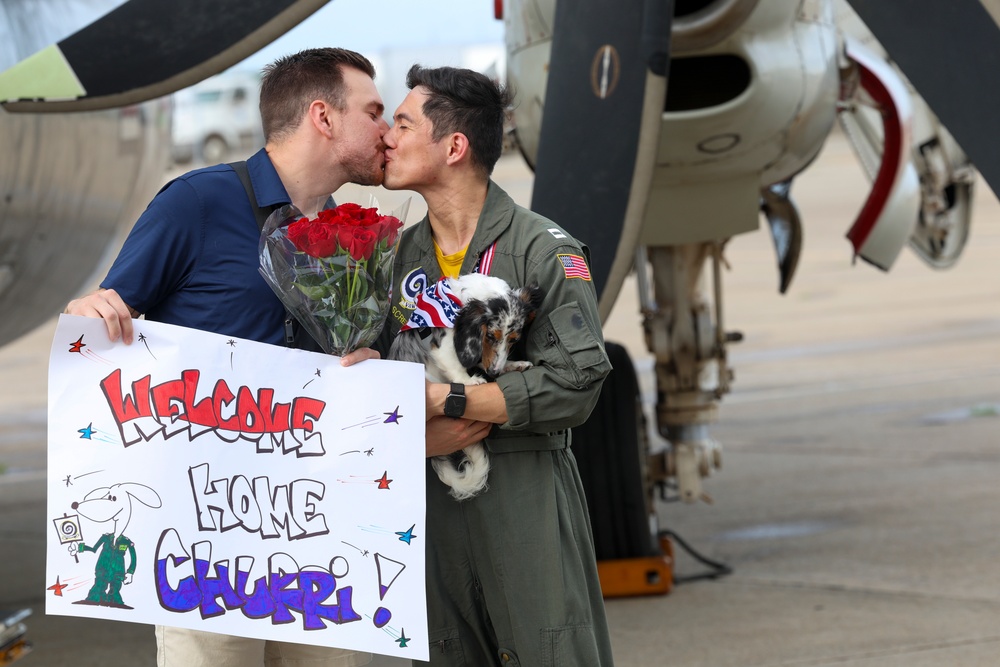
75 505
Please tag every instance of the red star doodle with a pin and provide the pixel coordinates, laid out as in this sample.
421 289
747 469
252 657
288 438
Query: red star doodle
383 481
57 587
78 345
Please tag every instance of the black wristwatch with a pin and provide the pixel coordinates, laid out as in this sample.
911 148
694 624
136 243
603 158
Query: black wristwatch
454 404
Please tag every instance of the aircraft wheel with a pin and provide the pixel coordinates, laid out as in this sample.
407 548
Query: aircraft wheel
611 449
214 150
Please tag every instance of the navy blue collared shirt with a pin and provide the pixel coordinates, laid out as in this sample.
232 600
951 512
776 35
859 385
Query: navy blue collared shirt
191 258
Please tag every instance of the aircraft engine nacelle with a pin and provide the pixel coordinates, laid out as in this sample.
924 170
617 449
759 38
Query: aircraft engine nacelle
528 34
69 183
751 109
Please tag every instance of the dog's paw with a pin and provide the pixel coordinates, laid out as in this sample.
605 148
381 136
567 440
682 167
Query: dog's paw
476 379
517 366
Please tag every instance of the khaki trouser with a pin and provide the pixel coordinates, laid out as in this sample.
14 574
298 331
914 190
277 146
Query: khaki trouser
179 647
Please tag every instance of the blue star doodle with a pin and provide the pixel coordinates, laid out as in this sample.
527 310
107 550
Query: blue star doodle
92 434
402 639
406 535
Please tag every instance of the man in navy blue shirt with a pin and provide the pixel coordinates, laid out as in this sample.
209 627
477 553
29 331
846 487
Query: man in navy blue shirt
191 260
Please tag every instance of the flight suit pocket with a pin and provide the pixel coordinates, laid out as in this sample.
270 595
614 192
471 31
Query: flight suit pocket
570 347
448 651
569 646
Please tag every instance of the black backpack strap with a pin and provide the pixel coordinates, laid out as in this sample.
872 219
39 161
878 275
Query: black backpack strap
259 213
295 335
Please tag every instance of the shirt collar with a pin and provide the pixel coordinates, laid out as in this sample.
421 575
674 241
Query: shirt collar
495 218
267 186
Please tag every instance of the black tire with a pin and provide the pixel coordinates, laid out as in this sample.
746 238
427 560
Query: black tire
214 150
610 450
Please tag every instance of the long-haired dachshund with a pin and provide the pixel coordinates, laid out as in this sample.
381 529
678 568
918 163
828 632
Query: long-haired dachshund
491 321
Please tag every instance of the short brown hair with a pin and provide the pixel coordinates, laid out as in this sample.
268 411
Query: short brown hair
291 83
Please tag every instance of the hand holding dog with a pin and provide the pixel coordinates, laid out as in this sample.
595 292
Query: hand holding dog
484 402
445 435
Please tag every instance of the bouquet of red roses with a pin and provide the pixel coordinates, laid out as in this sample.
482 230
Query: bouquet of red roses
334 271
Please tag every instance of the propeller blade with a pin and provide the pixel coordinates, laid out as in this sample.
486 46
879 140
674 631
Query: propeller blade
608 57
146 49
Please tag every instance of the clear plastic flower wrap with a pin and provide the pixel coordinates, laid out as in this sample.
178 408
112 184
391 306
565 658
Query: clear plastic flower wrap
333 272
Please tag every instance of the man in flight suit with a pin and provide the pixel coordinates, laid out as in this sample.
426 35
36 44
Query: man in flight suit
511 573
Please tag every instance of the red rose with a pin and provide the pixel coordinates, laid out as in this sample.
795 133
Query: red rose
345 236
358 241
327 216
388 229
364 244
350 211
312 237
370 217
298 234
322 241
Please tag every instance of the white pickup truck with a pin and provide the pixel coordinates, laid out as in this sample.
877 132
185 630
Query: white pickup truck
217 119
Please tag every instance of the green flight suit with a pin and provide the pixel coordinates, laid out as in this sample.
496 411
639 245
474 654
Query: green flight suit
109 573
511 574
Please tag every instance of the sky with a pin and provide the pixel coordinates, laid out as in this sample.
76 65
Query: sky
371 26
394 34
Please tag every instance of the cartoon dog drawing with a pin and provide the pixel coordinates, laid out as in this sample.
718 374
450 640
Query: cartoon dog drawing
112 504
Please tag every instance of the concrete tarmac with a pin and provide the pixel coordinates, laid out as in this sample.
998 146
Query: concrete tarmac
857 500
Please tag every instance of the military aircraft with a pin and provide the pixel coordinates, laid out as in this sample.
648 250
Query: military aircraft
86 125
659 130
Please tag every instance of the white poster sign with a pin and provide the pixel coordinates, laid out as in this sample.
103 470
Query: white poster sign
219 484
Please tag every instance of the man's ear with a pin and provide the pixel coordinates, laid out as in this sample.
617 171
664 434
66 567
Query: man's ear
458 147
321 115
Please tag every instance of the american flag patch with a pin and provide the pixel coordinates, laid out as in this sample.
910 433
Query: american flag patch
574 266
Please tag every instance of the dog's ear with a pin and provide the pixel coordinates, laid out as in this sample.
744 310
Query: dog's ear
532 296
469 325
140 492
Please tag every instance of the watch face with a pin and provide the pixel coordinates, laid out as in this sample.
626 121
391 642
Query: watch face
454 405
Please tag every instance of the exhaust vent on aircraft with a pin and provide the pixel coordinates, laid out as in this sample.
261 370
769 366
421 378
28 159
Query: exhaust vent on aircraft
729 76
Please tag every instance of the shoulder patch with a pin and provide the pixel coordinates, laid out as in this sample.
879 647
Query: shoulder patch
557 233
574 266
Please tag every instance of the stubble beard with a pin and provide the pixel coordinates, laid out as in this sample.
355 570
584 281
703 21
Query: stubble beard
366 170
365 174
